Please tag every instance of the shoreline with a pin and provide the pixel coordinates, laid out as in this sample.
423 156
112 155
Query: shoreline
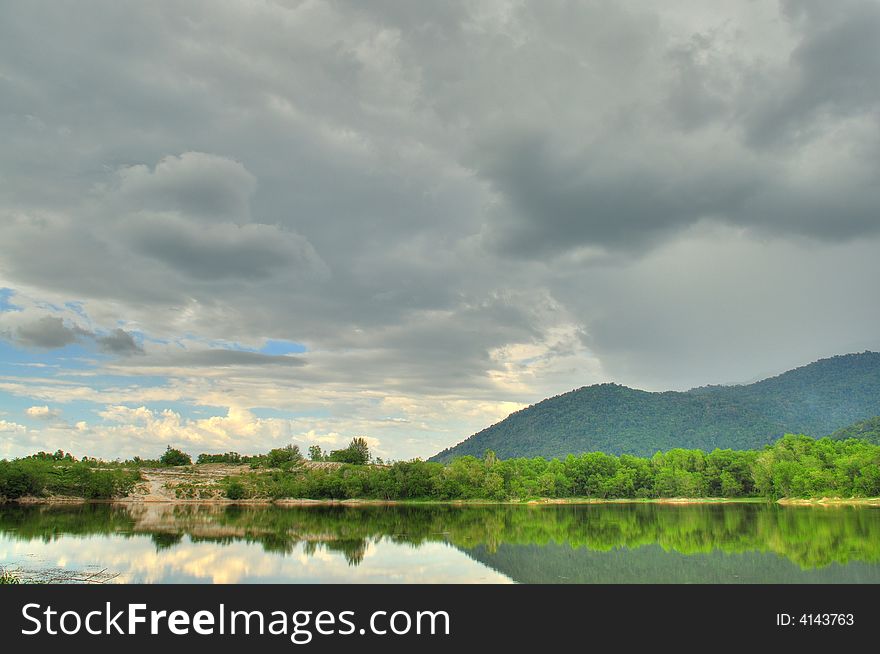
136 501
831 501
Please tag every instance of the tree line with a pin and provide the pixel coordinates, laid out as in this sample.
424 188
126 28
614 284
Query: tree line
357 453
60 473
794 466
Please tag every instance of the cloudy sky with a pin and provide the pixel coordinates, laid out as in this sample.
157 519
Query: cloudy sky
233 225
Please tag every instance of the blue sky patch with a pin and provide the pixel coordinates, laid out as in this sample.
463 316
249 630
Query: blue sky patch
274 347
16 360
5 300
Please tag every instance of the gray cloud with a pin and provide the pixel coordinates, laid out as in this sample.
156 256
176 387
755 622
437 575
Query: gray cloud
832 71
48 332
52 332
194 183
555 204
217 251
786 146
217 358
699 309
119 342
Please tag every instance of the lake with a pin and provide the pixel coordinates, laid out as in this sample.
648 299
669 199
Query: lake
599 543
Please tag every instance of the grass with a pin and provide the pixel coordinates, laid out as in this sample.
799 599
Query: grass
8 578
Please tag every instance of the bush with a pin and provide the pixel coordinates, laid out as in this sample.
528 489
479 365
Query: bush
173 457
235 490
106 484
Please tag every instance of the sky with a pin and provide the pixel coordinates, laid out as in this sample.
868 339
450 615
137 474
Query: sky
238 225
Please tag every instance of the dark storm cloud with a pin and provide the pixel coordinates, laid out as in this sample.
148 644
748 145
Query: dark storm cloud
557 204
787 147
831 75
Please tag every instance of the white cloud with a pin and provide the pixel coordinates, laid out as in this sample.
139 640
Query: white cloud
125 431
42 412
12 427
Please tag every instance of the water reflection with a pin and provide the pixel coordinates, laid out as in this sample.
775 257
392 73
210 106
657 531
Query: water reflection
441 543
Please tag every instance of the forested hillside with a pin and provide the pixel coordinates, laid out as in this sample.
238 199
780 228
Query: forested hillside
816 400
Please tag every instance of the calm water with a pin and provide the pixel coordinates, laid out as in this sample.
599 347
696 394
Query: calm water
416 544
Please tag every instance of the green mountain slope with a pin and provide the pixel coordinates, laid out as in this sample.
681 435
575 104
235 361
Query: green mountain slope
815 400
820 397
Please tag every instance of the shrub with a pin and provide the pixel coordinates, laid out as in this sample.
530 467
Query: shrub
235 490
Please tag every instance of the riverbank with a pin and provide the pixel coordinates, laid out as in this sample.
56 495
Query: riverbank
139 500
202 485
831 501
825 471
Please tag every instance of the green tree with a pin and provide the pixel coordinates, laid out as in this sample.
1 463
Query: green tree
493 487
360 447
175 457
729 486
357 453
282 455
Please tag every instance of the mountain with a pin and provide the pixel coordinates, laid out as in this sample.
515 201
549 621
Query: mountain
815 399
